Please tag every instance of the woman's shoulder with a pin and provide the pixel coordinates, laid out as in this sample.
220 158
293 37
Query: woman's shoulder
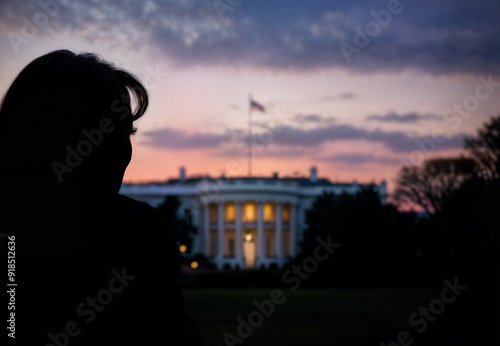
131 214
137 208
140 224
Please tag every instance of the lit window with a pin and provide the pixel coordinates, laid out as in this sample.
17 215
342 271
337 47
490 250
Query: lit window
249 212
230 212
286 213
268 212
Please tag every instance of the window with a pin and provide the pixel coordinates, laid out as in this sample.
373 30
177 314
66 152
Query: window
269 242
249 212
230 246
286 243
286 213
213 243
212 210
230 212
269 212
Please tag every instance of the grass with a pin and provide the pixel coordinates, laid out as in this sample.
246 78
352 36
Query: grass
309 315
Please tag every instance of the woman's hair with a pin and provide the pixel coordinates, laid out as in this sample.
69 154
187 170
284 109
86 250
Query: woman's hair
59 95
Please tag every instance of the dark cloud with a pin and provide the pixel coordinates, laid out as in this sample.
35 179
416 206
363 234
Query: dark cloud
290 137
313 118
264 151
309 117
360 159
437 37
403 118
177 139
301 120
397 141
347 95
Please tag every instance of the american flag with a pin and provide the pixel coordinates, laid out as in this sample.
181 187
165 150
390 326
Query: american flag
257 106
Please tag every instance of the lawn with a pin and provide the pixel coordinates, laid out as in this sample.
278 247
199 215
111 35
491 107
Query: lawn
309 315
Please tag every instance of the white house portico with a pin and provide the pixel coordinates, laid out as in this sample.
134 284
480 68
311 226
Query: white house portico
245 222
250 232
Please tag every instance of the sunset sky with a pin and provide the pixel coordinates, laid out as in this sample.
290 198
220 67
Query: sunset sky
356 88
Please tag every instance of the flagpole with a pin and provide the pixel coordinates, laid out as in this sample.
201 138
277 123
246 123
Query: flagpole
250 135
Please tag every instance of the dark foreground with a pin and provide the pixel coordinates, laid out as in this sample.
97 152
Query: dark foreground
321 316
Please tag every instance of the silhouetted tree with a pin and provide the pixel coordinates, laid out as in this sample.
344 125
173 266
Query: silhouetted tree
471 216
475 209
376 239
485 148
428 185
471 224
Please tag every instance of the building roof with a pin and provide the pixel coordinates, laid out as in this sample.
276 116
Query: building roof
311 181
302 181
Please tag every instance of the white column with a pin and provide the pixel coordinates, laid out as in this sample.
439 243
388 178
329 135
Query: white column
260 232
239 235
279 233
220 232
293 234
206 225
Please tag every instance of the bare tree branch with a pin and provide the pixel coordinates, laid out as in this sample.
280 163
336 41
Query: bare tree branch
428 186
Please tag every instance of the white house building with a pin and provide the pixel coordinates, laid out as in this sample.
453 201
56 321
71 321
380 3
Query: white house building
245 222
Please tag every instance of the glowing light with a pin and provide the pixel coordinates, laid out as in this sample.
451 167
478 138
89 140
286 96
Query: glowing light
194 265
183 248
248 237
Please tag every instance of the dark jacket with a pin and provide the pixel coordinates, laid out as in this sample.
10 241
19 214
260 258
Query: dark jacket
116 282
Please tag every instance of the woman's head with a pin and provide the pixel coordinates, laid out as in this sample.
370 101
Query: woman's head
68 117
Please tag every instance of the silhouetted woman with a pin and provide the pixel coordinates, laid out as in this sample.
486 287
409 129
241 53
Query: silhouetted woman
92 267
